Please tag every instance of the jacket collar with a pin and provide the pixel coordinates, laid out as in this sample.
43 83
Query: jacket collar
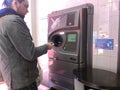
9 11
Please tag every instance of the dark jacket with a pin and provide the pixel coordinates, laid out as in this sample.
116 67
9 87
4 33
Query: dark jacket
18 55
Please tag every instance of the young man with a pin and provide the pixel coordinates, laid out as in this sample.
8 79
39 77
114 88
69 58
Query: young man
18 55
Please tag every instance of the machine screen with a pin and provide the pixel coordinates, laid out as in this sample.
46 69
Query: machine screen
71 42
71 37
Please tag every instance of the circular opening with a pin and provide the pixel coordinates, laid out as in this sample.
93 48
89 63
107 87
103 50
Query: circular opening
57 40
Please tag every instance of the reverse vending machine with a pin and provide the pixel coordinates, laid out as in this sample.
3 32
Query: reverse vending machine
71 32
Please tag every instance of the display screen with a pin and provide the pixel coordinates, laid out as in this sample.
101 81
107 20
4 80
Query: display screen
71 37
71 42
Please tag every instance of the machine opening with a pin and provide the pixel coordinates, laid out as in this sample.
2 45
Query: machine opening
57 40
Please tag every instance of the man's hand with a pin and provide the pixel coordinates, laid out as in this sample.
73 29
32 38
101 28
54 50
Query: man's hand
50 45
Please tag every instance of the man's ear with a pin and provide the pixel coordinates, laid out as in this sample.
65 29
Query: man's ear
15 4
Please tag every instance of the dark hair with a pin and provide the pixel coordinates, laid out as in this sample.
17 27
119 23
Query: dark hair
7 3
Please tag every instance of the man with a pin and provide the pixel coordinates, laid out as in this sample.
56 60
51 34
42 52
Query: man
18 55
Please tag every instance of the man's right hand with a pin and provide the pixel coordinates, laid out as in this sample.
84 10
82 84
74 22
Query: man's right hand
50 45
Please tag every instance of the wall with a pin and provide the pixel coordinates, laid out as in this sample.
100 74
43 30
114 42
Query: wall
106 24
106 21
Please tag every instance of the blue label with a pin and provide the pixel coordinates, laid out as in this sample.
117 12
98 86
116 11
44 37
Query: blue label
106 44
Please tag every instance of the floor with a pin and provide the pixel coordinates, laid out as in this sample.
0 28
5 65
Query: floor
3 86
40 87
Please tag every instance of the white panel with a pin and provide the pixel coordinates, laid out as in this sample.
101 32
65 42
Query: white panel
78 85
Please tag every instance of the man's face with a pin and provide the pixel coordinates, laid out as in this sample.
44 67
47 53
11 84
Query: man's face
22 8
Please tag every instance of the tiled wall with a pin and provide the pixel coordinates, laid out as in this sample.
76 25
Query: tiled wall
106 21
106 27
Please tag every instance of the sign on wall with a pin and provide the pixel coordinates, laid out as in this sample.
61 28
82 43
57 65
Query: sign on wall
106 44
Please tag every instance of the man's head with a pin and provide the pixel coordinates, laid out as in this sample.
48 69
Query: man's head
20 6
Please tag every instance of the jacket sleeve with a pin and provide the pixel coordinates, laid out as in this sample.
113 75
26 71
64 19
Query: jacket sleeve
20 37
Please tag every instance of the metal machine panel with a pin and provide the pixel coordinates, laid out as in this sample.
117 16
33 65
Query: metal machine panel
71 32
61 83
